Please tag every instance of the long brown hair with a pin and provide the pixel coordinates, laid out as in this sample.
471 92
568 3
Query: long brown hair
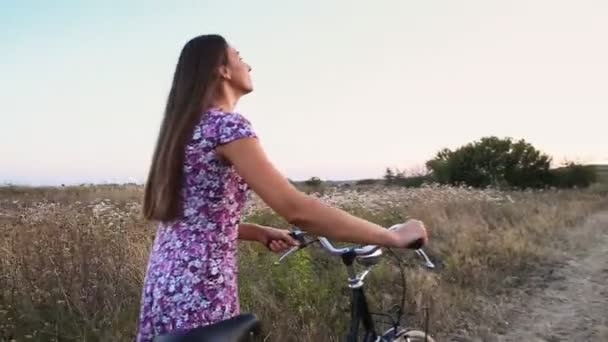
194 83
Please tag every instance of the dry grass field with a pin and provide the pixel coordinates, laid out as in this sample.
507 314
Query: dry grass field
72 260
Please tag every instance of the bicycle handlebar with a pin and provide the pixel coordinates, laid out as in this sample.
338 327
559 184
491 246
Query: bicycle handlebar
360 251
300 235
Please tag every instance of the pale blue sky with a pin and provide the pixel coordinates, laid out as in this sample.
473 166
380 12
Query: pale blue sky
343 88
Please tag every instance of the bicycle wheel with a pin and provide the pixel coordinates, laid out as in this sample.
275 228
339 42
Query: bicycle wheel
414 336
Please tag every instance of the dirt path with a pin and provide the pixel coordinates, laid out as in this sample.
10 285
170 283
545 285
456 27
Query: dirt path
573 305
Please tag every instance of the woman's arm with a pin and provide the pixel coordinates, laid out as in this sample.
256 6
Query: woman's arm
251 162
250 231
277 240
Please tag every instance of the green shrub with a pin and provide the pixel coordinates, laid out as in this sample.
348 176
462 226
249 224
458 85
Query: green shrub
492 161
413 182
314 182
573 175
401 178
369 181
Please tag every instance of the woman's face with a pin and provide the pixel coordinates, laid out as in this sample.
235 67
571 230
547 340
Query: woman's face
237 72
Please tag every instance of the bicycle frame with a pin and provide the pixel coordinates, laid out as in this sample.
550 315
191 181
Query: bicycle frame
359 308
367 256
360 313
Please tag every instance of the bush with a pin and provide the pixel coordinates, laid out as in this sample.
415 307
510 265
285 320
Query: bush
401 178
369 181
413 182
573 175
314 182
492 161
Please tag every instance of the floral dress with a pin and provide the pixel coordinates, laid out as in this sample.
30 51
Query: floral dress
191 277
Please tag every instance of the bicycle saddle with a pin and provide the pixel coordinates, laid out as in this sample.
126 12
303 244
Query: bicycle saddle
235 329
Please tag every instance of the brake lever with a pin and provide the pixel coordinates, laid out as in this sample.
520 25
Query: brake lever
427 261
300 236
286 254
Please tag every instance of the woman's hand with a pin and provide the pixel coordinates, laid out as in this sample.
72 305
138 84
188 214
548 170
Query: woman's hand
411 234
277 240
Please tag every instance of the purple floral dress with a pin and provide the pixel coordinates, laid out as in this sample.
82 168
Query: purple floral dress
191 278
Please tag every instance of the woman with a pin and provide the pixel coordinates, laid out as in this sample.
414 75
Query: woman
206 159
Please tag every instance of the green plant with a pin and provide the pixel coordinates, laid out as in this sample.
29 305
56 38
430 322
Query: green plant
314 182
411 179
492 161
573 175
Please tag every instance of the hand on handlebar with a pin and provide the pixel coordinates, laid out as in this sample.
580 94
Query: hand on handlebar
411 234
276 240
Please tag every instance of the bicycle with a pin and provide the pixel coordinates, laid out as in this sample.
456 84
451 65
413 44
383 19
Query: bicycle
240 328
366 256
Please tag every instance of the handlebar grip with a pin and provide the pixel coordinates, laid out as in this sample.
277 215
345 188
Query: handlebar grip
298 236
416 244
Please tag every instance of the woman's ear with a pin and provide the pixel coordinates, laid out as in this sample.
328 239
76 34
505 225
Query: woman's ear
223 72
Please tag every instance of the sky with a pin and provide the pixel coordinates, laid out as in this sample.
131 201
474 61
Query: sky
343 89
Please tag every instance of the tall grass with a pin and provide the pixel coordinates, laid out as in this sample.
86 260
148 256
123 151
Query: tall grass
72 260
